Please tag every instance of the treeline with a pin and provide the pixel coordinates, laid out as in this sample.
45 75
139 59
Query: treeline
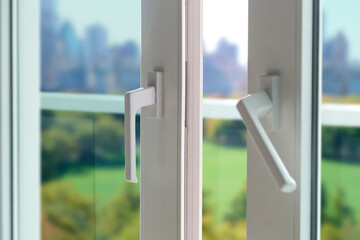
341 144
338 219
338 143
72 141
225 132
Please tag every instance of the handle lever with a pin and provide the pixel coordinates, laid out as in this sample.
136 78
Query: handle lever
257 106
134 100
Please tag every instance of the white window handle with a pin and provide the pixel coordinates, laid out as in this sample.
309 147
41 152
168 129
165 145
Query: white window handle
135 100
257 106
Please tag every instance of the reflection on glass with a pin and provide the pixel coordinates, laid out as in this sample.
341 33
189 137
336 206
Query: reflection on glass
90 46
340 208
224 142
84 195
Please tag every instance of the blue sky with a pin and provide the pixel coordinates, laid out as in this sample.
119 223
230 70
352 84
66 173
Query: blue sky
228 19
120 17
344 16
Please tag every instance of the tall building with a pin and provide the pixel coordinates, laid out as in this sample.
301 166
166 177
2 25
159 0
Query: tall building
95 45
336 66
70 45
126 66
70 70
223 75
49 24
227 51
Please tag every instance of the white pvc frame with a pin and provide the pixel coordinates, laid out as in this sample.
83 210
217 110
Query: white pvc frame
5 121
24 103
340 115
20 120
194 120
280 41
26 119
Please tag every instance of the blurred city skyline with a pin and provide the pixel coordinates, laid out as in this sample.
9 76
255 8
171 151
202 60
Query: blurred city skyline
232 12
90 60
335 22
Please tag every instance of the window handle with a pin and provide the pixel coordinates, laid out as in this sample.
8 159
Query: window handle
256 106
134 100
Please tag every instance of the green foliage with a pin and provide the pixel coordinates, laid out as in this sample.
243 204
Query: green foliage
132 230
340 223
109 140
330 232
224 173
58 149
70 213
324 203
341 143
230 133
238 207
339 210
76 140
234 225
80 141
208 225
233 231
345 176
121 215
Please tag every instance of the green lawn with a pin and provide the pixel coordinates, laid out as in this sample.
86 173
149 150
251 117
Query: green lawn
346 176
224 174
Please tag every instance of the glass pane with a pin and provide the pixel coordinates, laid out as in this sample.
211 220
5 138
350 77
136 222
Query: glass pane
224 180
84 195
340 208
88 47
225 48
224 141
341 52
90 51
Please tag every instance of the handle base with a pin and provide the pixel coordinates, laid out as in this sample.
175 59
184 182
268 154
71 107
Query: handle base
270 84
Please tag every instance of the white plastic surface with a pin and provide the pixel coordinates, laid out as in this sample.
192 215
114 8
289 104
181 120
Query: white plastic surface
133 101
251 109
155 79
142 97
270 84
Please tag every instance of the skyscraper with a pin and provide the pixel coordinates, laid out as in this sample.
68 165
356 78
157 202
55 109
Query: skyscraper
95 45
49 22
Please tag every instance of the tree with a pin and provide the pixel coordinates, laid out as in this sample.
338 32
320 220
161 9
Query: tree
121 215
66 214
238 207
208 227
